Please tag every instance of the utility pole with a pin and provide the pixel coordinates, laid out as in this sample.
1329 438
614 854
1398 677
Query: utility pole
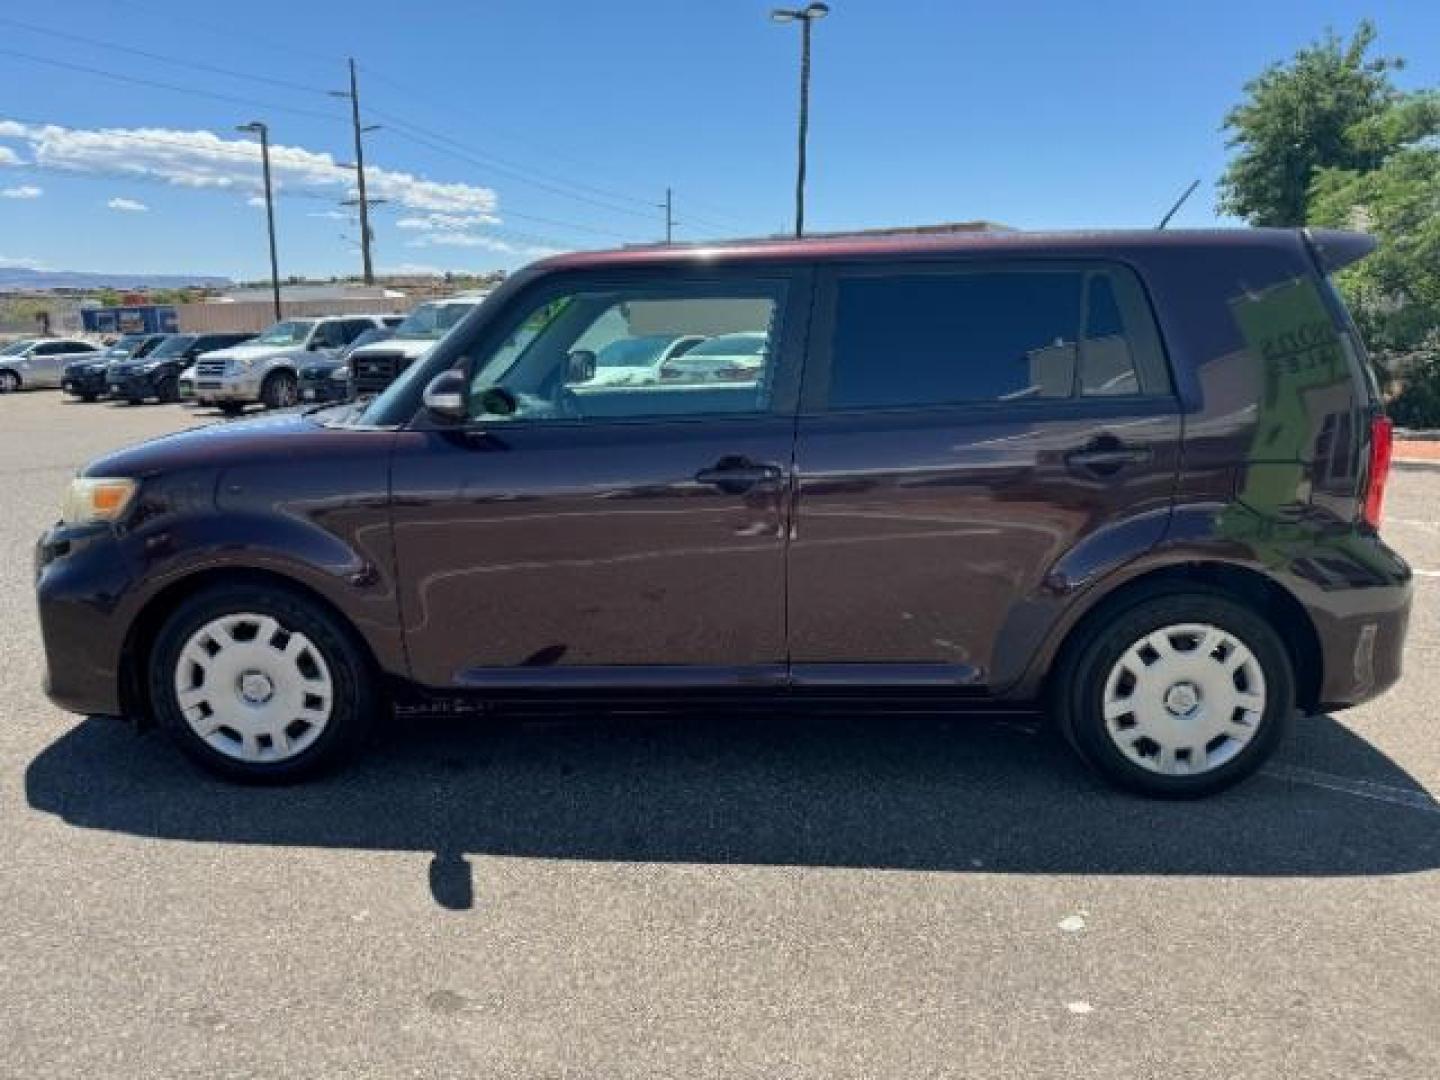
669 207
805 17
263 130
364 203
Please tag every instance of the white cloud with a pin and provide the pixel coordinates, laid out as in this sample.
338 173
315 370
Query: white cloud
450 238
256 200
24 191
202 159
8 156
129 206
23 262
330 215
446 222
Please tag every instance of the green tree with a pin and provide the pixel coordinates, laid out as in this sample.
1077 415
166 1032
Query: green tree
1395 293
1318 111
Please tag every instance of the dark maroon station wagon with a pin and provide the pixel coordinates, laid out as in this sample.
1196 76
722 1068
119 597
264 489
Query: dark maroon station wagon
1133 478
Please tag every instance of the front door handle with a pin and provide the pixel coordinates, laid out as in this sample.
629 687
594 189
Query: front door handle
737 475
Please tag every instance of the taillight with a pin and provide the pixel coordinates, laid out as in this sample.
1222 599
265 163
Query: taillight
1382 445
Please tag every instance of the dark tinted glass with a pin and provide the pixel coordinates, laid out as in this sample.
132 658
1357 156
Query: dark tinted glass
934 339
1107 361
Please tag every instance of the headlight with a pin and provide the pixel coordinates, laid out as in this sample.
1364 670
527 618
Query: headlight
341 374
94 499
239 366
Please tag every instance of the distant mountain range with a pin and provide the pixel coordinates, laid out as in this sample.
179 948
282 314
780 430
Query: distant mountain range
19 277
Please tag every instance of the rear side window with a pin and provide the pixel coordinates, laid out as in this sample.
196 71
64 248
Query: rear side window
992 335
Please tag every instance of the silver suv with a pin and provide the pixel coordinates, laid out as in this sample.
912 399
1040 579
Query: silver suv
266 368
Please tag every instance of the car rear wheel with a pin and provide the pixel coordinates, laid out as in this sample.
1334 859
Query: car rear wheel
232 408
260 684
280 390
1179 696
168 391
9 382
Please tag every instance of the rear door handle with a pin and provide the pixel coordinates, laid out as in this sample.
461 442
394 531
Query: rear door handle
1107 458
736 475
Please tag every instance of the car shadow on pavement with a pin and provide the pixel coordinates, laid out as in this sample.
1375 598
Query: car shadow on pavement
916 793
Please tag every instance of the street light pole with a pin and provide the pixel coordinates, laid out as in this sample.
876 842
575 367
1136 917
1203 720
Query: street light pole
805 16
263 130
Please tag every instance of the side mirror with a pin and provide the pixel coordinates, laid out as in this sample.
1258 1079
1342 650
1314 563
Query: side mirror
580 367
444 398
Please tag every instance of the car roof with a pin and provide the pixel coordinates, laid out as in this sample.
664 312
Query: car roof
906 245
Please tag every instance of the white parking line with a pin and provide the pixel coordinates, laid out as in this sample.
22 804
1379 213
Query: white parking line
1414 798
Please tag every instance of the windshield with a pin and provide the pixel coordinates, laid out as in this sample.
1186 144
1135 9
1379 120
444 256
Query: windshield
291 332
633 352
15 347
173 346
730 345
430 322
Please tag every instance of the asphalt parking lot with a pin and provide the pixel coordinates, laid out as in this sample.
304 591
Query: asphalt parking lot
709 897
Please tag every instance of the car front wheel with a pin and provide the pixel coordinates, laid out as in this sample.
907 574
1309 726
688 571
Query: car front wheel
280 390
260 684
1179 696
9 382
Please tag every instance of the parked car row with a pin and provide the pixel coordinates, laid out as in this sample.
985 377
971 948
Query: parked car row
323 359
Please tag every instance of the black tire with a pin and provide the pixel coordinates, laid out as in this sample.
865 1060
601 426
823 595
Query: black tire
280 390
168 391
1079 684
354 698
10 381
87 398
232 408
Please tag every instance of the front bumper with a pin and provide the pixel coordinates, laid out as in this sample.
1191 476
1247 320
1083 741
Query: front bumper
83 383
323 388
81 575
135 385
211 390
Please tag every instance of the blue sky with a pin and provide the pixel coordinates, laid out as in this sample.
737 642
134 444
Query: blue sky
513 127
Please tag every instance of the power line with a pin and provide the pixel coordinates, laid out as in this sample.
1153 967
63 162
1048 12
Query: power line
110 46
158 85
445 145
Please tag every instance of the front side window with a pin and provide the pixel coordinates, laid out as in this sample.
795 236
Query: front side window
635 353
991 335
290 332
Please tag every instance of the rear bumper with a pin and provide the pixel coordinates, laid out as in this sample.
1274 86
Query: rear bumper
1362 642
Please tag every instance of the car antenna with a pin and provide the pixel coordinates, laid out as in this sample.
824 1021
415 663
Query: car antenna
1179 203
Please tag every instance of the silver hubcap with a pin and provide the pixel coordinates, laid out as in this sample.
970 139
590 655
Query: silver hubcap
8 381
253 689
1184 700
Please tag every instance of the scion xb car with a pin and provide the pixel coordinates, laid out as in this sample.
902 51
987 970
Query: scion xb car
266 368
1132 479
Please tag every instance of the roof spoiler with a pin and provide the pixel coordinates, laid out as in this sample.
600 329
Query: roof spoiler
1335 249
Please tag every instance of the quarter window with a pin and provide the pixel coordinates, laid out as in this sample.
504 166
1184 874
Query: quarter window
991 335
